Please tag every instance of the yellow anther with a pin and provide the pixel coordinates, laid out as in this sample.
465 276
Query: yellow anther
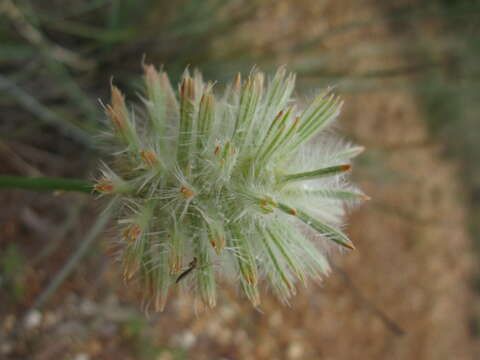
218 243
187 193
293 212
132 232
149 157
104 186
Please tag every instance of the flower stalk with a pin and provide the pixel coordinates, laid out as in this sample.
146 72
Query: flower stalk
45 184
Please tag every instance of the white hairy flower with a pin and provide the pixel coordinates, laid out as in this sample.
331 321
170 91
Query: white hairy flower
226 188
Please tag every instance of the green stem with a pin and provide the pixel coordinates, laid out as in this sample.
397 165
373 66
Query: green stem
45 184
315 174
328 231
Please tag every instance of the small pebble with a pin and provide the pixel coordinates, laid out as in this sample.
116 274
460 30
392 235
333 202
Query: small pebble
81 356
33 319
187 339
295 350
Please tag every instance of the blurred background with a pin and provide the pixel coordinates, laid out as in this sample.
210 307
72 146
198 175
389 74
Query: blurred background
409 72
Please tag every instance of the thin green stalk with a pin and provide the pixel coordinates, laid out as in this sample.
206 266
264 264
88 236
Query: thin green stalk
45 184
328 231
315 174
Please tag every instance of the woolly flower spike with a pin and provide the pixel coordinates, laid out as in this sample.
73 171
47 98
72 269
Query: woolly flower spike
228 187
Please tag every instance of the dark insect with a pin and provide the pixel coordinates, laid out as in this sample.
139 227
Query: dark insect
191 266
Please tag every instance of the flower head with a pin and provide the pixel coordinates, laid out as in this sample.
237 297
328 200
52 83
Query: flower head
228 187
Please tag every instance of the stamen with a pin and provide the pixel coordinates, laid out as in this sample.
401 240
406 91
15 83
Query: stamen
132 233
187 193
149 157
104 186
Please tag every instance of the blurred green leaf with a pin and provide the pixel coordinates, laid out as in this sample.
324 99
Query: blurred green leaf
12 262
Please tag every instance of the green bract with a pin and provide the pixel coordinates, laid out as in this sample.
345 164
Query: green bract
231 187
